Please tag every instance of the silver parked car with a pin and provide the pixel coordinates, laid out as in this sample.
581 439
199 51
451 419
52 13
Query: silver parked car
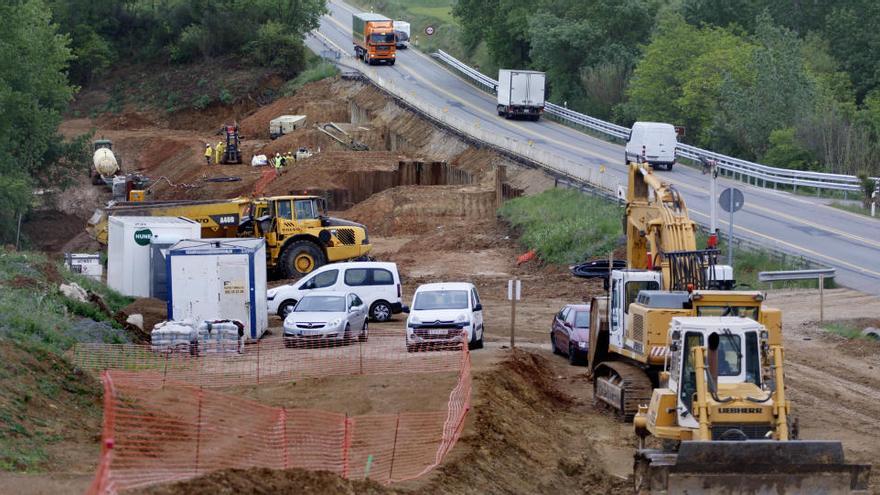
326 317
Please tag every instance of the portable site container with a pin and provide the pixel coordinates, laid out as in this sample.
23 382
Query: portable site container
285 124
129 245
86 264
219 279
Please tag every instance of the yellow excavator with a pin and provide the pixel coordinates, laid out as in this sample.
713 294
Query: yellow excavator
675 306
666 276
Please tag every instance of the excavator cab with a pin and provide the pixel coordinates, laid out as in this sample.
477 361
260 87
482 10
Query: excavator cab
725 426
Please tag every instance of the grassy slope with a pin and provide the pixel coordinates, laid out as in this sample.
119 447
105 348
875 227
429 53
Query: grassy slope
565 227
44 401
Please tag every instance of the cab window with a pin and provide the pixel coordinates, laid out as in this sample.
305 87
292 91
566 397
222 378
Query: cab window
282 210
753 365
729 355
633 289
688 373
321 280
305 209
740 311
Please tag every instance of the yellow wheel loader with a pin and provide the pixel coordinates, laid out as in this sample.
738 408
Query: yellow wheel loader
299 235
724 422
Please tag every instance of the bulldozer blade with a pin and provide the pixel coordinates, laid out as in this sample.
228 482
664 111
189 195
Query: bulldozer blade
755 467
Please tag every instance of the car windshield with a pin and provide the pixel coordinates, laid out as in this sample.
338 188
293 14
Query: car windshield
382 38
321 304
441 299
582 319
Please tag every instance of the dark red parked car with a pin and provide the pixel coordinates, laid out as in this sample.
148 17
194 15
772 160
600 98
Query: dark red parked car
570 333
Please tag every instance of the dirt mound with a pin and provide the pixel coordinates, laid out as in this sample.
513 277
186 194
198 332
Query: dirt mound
126 120
153 310
420 209
528 437
50 412
316 101
267 481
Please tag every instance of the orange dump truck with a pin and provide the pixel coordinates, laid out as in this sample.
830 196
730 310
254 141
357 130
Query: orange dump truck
374 39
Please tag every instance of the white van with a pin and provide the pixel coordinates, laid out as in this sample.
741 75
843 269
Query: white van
652 142
444 314
376 283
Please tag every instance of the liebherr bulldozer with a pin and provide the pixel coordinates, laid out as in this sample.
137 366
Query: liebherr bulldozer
724 422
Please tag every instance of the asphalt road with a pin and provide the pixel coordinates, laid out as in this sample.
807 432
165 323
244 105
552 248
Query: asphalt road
796 224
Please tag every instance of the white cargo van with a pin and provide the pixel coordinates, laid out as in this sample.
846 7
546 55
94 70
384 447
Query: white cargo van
653 143
520 93
401 33
376 283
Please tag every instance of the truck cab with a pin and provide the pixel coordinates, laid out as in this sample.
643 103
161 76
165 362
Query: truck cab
374 38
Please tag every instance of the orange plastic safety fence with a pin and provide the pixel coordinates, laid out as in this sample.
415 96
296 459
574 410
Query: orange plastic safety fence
270 361
159 428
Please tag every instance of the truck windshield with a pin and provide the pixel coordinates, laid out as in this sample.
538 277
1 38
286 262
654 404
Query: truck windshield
729 355
382 38
741 311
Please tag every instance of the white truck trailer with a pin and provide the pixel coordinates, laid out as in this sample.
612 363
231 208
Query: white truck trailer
521 93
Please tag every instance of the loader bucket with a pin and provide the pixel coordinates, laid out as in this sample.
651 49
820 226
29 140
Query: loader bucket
755 467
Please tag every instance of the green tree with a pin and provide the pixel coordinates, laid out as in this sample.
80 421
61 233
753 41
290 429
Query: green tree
853 31
502 24
681 75
781 93
33 92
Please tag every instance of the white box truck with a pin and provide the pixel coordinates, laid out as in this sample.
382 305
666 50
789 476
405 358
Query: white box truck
219 279
129 243
653 143
521 93
285 124
401 33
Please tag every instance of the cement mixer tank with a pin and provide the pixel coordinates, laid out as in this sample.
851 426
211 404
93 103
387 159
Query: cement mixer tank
105 162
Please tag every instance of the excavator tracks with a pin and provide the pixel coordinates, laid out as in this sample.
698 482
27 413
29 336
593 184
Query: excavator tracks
623 387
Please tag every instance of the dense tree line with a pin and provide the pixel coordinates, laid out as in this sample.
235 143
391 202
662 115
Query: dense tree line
791 83
50 48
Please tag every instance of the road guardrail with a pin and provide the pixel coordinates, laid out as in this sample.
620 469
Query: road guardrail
754 173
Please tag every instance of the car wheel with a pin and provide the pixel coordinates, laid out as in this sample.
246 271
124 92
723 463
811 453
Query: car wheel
553 344
364 336
572 356
346 335
669 167
479 343
380 311
285 308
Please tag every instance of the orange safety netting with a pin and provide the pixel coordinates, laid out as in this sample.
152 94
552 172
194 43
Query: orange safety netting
163 422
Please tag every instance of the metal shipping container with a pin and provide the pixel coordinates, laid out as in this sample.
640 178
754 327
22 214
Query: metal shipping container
285 124
216 279
128 248
86 264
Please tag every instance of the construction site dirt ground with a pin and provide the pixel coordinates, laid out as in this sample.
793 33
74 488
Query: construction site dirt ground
533 427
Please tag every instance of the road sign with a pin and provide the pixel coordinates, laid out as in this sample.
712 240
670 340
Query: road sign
731 201
734 204
429 30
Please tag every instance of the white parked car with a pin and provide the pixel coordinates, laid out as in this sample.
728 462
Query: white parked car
326 317
442 314
652 142
376 283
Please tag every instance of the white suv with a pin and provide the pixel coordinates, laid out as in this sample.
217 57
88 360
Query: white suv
376 283
441 313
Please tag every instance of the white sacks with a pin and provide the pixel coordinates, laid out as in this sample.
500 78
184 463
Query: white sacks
211 337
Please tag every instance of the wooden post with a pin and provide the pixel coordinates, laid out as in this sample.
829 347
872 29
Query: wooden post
821 298
499 186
